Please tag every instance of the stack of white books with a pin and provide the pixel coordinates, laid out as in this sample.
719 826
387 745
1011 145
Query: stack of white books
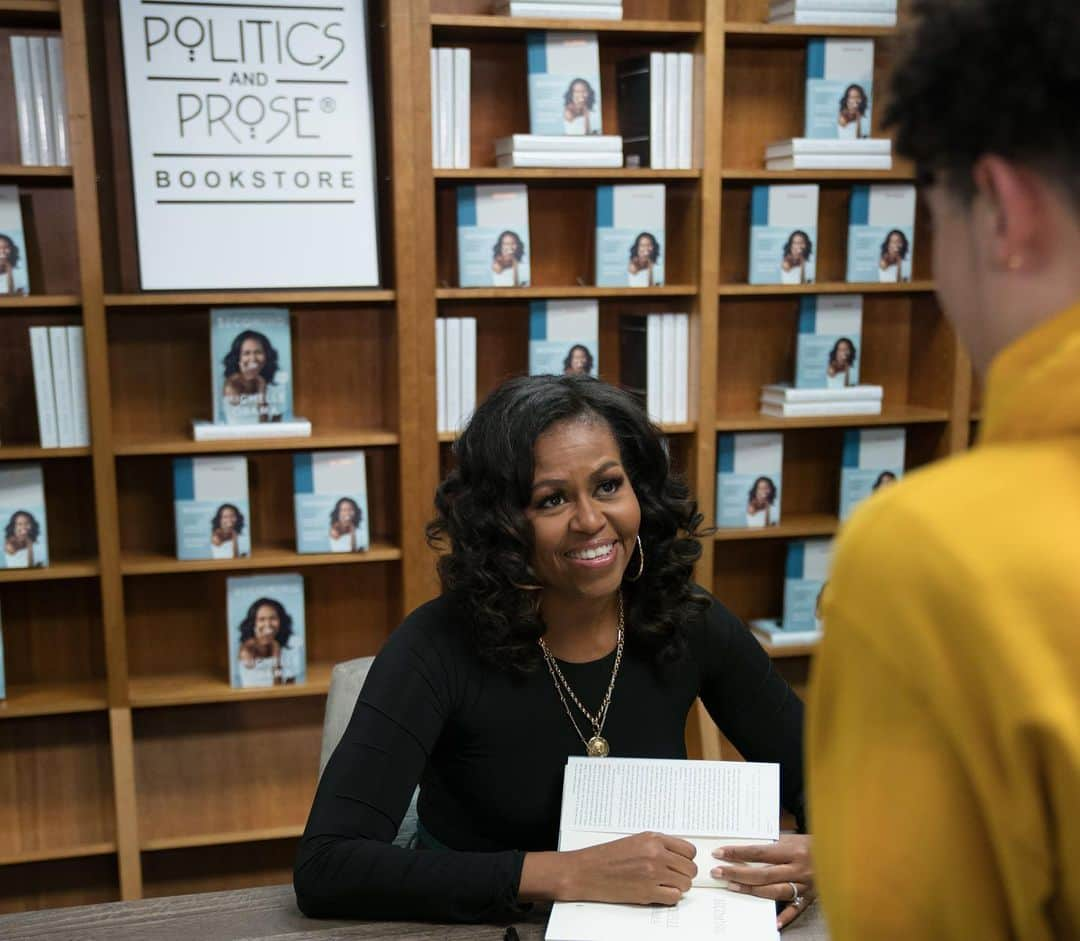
780 400
805 153
40 100
555 150
656 109
654 363
806 570
455 367
562 9
833 12
450 96
59 364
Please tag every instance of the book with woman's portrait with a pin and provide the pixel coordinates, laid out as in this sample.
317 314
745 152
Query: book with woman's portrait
881 233
250 365
564 83
829 342
805 573
839 88
330 501
783 234
564 338
22 514
873 458
749 476
493 236
14 277
211 507
3 678
631 235
266 630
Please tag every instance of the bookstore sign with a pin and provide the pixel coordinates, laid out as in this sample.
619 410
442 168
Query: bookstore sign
252 144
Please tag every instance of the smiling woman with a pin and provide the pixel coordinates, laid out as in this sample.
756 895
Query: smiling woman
569 624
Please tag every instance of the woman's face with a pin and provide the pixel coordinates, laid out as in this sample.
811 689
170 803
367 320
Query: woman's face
22 526
885 480
798 246
228 519
578 360
347 512
579 92
583 510
761 492
895 243
252 357
507 246
267 623
843 352
5 249
643 248
854 100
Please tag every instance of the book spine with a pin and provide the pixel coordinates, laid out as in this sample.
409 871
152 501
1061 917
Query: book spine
682 367
446 107
453 373
654 367
77 370
468 367
570 11
667 370
39 83
290 428
671 110
24 101
54 52
65 400
462 101
657 111
43 387
828 162
434 67
828 18
561 144
440 373
781 7
549 159
686 109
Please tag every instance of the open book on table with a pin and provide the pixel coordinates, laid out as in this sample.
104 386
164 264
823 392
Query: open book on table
707 803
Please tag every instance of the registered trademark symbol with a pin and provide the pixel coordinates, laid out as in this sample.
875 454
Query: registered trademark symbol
328 105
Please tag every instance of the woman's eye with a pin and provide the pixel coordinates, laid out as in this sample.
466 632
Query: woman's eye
611 485
556 499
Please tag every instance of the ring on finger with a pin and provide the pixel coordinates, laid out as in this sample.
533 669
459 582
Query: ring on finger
796 899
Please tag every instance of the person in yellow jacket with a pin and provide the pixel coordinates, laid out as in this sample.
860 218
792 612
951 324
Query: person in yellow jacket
944 710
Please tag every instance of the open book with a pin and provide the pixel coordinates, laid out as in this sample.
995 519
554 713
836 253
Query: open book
707 803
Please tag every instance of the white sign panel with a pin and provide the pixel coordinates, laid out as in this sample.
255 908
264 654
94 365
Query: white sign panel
252 143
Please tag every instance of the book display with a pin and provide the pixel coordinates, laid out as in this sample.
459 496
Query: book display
873 458
564 338
213 513
119 655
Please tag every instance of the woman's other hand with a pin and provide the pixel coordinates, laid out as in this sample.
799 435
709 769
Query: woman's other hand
777 867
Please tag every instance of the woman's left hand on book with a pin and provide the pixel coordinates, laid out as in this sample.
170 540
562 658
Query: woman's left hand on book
776 867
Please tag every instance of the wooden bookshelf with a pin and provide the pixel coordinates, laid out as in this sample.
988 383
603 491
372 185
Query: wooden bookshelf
319 440
33 452
53 572
489 24
19 171
187 689
262 557
895 175
824 287
224 838
223 298
31 301
60 852
900 415
56 698
585 174
792 527
771 34
534 293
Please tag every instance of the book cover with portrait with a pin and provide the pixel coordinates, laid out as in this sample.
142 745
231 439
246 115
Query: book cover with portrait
22 513
564 83
839 88
14 278
873 458
330 500
805 573
210 502
564 338
881 233
783 234
266 630
250 365
829 341
493 236
3 678
748 479
630 235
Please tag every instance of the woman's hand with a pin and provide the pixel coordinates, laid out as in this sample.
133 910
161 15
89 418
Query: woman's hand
786 862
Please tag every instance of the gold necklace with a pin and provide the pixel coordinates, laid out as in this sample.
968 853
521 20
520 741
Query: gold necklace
597 746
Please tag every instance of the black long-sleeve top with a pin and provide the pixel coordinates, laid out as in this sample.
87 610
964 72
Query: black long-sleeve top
489 750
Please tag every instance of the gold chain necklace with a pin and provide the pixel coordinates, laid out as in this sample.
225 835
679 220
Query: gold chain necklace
597 746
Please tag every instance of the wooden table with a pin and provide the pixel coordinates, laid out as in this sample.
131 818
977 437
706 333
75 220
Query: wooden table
263 915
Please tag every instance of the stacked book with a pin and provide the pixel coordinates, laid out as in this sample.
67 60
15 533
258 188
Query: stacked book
656 109
805 574
22 514
455 368
561 9
805 153
557 150
833 12
450 96
40 100
59 362
654 363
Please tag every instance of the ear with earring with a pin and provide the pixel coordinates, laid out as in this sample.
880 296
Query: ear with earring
641 561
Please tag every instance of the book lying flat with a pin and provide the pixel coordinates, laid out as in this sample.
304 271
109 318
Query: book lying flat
780 7
707 803
209 431
833 18
550 158
821 409
559 143
770 631
568 11
829 162
867 147
780 393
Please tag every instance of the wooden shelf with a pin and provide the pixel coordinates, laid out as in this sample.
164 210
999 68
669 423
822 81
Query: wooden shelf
824 287
485 24
898 415
668 428
33 452
532 293
48 699
40 300
223 838
564 175
262 557
188 689
55 571
902 174
60 852
810 524
328 439
45 8
20 171
769 33
218 298
783 651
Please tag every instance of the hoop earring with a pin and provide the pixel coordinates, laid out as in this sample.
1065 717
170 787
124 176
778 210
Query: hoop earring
641 561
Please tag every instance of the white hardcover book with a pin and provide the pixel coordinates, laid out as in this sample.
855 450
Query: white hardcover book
783 234
446 107
828 162
770 632
211 507
567 11
14 276
266 630
881 233
671 110
54 50
462 104
686 110
781 394
22 513
331 487
65 400
559 143
494 248
839 88
434 68
24 101
79 392
828 346
453 373
833 18
468 368
43 387
287 428
682 367
806 571
749 479
796 146
821 409
654 372
564 83
658 158
443 423
42 101
631 239
873 458
552 159
667 401
564 338
781 7
3 683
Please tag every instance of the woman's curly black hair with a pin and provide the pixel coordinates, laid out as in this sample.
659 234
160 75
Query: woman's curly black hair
519 246
806 238
481 507
771 499
836 349
13 251
654 252
589 361
215 523
35 526
232 358
590 95
862 99
335 513
904 248
285 621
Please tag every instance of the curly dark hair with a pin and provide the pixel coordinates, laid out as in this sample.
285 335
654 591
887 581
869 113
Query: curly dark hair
903 249
519 251
215 523
13 250
955 56
481 505
589 361
809 244
35 526
285 621
836 348
884 477
863 102
590 95
772 490
232 358
654 255
335 513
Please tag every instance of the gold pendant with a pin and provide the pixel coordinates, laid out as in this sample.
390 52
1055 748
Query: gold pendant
597 747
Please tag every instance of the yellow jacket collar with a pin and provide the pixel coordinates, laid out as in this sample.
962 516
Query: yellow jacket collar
1033 389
